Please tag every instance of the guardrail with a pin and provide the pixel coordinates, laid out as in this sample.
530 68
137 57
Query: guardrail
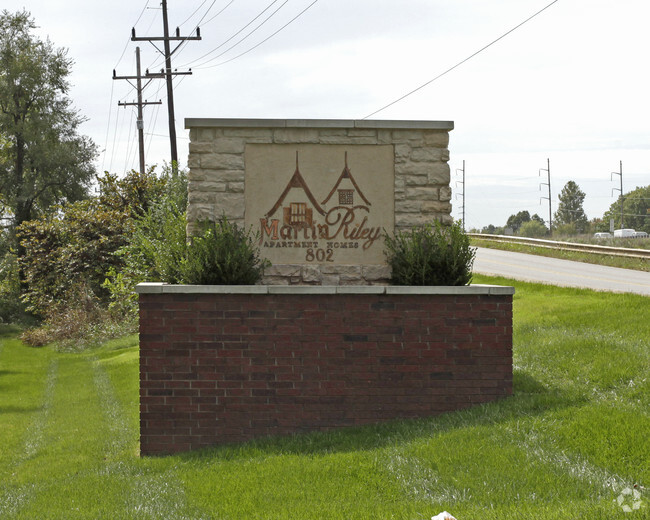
566 246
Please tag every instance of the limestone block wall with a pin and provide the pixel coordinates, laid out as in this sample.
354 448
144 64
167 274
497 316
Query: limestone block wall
421 181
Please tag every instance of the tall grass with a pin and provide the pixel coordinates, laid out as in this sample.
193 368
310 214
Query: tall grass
565 445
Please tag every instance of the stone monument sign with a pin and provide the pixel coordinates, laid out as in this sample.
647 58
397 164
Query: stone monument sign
320 194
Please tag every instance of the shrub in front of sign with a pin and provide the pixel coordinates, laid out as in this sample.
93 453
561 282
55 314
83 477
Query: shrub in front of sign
433 254
222 254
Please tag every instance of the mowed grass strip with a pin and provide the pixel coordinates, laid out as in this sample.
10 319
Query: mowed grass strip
574 434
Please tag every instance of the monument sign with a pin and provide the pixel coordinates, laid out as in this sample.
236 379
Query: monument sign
320 194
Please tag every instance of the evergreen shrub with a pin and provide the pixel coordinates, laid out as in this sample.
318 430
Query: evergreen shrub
433 254
222 254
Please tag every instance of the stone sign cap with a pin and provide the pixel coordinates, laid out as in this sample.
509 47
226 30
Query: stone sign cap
317 123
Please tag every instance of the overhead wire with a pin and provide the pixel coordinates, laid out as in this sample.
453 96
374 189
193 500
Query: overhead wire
264 40
233 36
117 119
249 34
401 98
206 13
150 135
112 107
183 43
128 143
219 12
195 11
129 40
108 125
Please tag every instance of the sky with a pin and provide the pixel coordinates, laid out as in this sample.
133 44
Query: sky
567 89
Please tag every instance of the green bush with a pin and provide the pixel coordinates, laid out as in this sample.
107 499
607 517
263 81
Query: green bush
156 246
76 245
430 255
222 254
565 230
533 229
12 309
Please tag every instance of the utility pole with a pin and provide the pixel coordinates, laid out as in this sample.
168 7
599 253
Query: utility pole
463 193
167 73
620 172
138 86
548 183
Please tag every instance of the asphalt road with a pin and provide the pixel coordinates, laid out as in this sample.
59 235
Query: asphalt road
532 268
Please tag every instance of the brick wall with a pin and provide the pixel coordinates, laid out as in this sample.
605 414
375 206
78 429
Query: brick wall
219 367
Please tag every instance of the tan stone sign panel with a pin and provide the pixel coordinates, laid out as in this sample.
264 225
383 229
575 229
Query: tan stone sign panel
320 204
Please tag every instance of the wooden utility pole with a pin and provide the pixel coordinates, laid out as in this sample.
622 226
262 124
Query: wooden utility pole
139 103
167 73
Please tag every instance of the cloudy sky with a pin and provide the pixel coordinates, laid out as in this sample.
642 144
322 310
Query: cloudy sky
571 85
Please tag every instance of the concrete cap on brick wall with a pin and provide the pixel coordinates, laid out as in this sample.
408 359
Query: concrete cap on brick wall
318 123
163 288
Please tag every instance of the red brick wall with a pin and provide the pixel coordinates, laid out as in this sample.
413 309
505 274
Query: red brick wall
221 368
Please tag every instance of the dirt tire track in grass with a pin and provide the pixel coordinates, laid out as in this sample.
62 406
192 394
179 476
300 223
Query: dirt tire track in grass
421 483
149 495
120 434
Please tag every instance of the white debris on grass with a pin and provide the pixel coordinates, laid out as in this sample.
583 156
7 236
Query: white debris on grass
443 516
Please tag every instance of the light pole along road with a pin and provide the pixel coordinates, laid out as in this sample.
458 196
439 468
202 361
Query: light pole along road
553 271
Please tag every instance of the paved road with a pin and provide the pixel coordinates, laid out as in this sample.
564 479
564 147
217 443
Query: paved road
560 272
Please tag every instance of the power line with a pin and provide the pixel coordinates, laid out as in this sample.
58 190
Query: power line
139 103
246 37
167 73
117 125
127 42
108 126
264 40
195 11
226 41
181 47
219 12
461 62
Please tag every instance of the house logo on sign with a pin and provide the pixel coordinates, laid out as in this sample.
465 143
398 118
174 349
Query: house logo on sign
341 220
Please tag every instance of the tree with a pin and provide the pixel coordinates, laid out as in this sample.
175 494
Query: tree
515 221
636 211
539 219
43 160
491 229
570 210
70 252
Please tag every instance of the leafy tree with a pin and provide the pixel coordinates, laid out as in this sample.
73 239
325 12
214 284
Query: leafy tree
515 221
70 253
157 245
43 160
570 210
539 219
68 250
491 229
636 208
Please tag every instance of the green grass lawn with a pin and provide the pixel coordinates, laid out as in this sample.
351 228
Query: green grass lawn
573 436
